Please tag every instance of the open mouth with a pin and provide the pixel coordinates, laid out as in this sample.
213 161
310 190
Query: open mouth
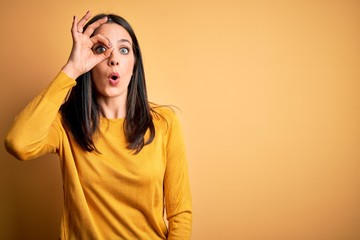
114 78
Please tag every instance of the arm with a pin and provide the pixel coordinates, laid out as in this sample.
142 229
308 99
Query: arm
34 131
176 185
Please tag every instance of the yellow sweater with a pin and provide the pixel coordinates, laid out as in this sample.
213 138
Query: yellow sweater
115 194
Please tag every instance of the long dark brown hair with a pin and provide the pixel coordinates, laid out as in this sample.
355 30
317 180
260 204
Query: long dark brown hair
81 113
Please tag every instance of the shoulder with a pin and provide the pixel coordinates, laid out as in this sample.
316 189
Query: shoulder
164 112
165 117
58 123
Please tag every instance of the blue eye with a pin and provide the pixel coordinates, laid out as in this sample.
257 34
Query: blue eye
124 50
99 49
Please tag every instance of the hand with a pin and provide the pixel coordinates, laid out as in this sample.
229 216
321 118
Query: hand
82 58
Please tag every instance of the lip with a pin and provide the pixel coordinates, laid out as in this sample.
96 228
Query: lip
114 78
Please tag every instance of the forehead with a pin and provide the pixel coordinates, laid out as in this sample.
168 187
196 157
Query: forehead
113 32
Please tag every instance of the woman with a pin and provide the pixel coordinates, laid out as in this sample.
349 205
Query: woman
123 160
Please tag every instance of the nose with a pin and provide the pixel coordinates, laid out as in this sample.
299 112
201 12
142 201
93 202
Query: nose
113 61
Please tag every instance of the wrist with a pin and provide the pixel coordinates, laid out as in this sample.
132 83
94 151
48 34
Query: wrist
71 71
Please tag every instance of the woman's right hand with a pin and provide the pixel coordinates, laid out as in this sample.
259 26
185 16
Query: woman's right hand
82 58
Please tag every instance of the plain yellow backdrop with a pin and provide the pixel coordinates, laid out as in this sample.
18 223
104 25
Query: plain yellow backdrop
269 93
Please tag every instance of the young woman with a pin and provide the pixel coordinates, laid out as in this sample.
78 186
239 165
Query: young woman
122 159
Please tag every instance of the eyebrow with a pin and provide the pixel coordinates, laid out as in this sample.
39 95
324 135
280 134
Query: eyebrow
121 40
125 40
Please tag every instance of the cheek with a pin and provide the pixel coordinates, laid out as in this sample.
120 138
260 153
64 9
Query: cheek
96 72
130 64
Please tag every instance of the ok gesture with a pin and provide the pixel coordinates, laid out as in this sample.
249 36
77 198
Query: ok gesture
82 58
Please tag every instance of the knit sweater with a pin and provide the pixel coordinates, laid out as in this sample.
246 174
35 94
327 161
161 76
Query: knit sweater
114 194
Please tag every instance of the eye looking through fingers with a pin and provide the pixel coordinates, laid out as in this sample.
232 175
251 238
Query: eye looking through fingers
99 49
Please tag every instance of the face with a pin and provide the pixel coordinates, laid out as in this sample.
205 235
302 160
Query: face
112 76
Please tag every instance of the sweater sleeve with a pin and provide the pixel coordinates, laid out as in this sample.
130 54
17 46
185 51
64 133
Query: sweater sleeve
176 185
35 130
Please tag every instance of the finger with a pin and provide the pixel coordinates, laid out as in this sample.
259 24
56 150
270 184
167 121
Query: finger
92 27
98 38
80 25
98 58
74 25
106 54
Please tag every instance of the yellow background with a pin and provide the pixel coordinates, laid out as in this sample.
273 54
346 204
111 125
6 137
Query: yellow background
269 93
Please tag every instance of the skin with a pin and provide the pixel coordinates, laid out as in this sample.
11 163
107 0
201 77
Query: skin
102 54
111 95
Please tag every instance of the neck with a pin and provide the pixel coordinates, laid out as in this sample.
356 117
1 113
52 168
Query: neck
113 107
